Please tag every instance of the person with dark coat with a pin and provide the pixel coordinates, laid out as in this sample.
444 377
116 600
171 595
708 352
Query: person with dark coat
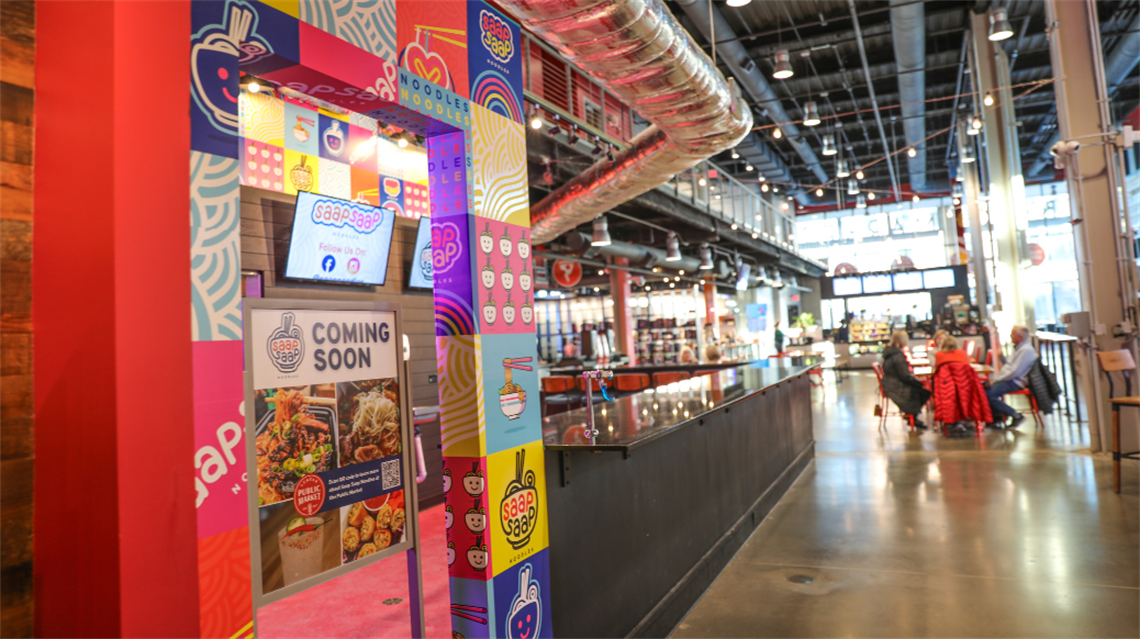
899 384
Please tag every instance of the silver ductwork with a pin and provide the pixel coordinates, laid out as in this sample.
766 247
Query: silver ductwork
1117 68
748 73
908 34
638 255
638 51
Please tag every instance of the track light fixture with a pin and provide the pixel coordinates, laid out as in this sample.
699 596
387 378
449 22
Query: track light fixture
811 113
1000 28
783 65
601 232
706 258
829 145
672 248
555 129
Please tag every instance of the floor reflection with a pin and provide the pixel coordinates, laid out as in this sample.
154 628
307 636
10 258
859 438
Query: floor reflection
1006 533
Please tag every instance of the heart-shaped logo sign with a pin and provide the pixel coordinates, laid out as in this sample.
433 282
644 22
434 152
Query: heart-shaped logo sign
429 66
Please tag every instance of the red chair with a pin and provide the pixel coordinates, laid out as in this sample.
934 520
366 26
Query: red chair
558 383
1032 405
884 401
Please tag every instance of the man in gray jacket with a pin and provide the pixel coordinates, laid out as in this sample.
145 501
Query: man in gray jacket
1012 377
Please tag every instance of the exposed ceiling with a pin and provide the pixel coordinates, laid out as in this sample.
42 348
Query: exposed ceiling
831 73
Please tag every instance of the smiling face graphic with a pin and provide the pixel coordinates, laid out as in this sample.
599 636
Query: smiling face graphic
524 249
450 553
477 554
509 313
448 517
525 618
524 280
486 242
508 278
527 313
446 481
473 484
490 312
488 276
476 521
214 60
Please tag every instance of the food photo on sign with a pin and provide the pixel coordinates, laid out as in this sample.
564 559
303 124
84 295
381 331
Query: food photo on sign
295 437
296 548
372 525
369 417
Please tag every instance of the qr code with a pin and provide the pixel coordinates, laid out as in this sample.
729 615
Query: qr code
391 473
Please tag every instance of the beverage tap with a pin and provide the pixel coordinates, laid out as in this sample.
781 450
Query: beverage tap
588 377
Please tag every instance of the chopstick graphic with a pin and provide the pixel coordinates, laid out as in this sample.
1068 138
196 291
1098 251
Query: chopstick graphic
455 608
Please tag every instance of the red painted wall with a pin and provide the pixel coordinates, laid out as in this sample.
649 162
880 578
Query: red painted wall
115 529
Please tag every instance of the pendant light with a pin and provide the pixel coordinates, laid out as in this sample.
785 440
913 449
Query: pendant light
852 187
738 3
967 155
783 65
706 258
829 145
1000 28
861 202
601 232
672 248
841 169
811 113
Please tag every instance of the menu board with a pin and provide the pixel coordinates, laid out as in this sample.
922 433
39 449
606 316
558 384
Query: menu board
880 283
846 286
340 241
326 433
908 281
938 278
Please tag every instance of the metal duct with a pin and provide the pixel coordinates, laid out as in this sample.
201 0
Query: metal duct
769 164
908 34
748 73
1117 68
638 51
638 255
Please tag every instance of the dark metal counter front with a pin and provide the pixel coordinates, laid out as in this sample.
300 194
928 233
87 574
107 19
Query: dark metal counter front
642 522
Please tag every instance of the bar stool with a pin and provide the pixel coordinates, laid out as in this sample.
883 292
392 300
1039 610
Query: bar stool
1118 362
661 379
628 382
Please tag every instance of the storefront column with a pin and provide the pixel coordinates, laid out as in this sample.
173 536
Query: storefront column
1005 185
623 311
114 476
1108 283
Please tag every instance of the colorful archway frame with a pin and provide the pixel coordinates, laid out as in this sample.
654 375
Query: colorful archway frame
450 71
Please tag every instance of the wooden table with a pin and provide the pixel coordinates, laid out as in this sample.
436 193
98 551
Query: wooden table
1116 454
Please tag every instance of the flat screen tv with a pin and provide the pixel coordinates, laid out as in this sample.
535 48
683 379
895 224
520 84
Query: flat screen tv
938 278
844 286
339 241
419 272
908 281
874 284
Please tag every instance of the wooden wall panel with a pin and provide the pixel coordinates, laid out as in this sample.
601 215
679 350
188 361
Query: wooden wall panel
266 224
17 421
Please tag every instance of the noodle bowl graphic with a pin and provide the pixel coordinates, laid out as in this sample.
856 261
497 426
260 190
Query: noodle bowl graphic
512 397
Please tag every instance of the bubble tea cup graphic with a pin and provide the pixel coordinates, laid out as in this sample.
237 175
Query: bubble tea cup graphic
487 240
334 139
487 275
286 345
505 245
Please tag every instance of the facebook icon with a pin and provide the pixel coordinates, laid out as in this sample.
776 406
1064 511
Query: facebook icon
328 264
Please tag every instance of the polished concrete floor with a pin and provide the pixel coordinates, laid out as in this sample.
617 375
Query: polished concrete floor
887 534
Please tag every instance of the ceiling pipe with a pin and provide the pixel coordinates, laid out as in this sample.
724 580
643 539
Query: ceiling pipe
638 255
871 91
638 52
749 76
908 35
1117 68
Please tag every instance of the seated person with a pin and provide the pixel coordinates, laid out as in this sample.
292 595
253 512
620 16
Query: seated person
712 353
899 384
687 356
1012 377
949 352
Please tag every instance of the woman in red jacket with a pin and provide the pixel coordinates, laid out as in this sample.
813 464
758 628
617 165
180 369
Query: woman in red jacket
948 351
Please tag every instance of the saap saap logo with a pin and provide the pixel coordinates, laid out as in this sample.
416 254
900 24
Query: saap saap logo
286 345
518 511
497 37
339 214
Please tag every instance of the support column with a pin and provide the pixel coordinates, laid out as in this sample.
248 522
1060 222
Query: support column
969 203
623 312
1005 184
710 313
1108 279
